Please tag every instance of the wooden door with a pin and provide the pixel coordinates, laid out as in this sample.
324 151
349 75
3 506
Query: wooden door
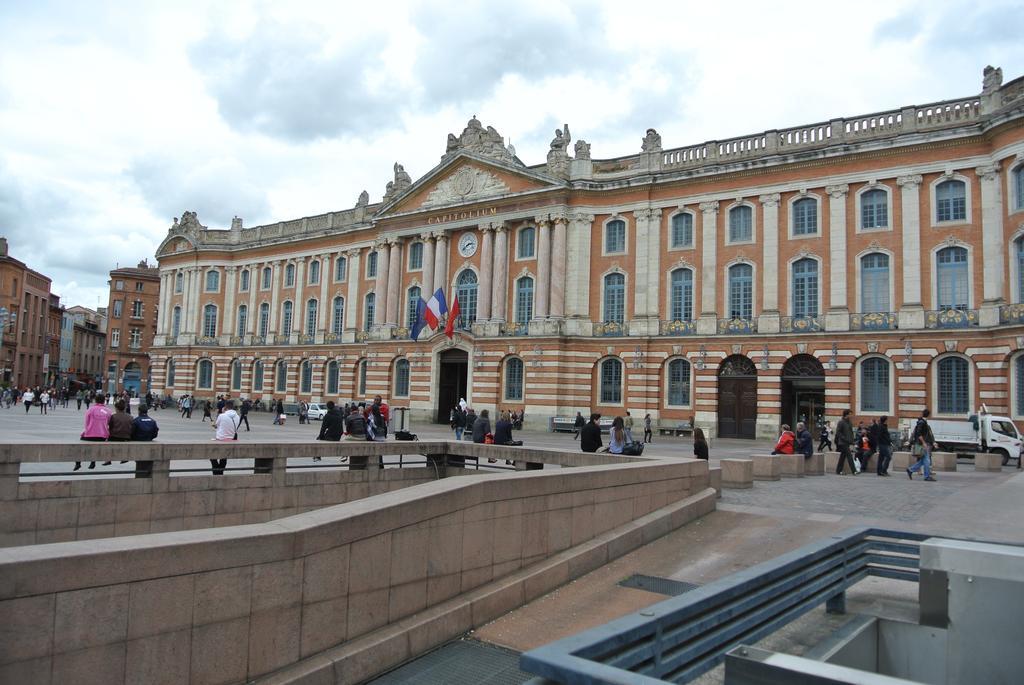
737 407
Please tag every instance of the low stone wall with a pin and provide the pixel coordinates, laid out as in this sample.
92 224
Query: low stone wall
236 603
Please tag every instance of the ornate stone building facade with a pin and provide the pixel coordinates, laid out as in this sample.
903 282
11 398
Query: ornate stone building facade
873 262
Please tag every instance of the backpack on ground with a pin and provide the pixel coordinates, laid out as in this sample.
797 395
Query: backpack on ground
405 435
633 449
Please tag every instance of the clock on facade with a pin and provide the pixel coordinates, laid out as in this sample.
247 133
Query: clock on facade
467 244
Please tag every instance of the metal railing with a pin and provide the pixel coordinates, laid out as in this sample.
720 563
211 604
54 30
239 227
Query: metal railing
683 637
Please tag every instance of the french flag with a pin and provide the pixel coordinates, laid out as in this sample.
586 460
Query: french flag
436 308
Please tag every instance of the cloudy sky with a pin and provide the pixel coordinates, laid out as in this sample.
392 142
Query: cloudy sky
117 116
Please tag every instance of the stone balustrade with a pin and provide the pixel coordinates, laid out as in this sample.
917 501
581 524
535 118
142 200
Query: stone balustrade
335 594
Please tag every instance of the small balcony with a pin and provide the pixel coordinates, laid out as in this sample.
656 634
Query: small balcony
208 340
332 338
237 340
305 339
874 321
282 339
951 318
1011 313
258 340
515 328
399 333
800 324
610 329
677 327
736 326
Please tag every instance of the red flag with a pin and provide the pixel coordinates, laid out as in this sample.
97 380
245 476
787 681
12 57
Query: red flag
453 314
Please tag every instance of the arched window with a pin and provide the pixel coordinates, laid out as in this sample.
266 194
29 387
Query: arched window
466 288
338 315
1017 178
514 379
524 299
286 318
526 243
236 375
362 378
682 295
741 224
402 378
682 230
951 201
314 272
257 376
741 291
243 319
416 256
212 281
340 268
412 303
312 307
805 216
1019 243
243 281
371 265
679 383
179 282
176 321
1018 369
874 385
615 298
264 320
265 278
615 237
874 209
954 386
306 377
205 375
874 283
951 278
281 373
332 378
171 373
370 302
289 275
805 287
210 320
611 381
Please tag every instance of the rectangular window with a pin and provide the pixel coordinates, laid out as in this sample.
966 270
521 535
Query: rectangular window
615 237
679 383
340 268
615 299
874 385
416 256
875 283
118 285
243 281
371 265
514 380
741 224
115 338
135 338
805 217
118 307
257 377
682 230
525 243
137 309
954 394
611 382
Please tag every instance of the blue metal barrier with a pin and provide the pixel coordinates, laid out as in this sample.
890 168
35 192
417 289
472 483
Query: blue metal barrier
683 637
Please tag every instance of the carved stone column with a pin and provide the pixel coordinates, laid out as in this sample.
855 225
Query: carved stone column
428 265
322 313
483 307
838 317
911 314
299 303
577 285
768 322
380 287
708 322
558 254
641 251
543 266
499 293
228 328
166 284
394 283
992 244
441 263
255 274
352 304
275 297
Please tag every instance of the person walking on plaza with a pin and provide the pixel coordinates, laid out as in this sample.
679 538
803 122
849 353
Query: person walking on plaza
206 411
648 433
226 427
883 445
627 425
590 435
578 425
279 415
27 398
458 422
825 441
700 445
470 420
79 396
186 407
923 442
844 441
804 441
44 402
97 425
786 442
244 415
144 428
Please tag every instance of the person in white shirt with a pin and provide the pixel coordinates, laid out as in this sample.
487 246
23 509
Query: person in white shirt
44 402
226 427
27 398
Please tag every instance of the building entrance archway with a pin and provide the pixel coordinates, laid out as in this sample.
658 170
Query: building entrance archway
131 379
803 392
737 398
452 381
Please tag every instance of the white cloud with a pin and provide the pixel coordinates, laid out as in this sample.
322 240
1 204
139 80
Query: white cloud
115 118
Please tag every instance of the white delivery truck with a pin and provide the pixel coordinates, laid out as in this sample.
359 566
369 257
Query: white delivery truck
981 432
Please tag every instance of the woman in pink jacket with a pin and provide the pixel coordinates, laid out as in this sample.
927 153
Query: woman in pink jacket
97 425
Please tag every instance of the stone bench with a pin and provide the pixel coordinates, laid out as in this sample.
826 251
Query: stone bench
715 479
792 465
737 474
901 461
767 466
944 461
832 459
814 465
988 461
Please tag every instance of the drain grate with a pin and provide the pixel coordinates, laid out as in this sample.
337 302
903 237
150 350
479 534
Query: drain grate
662 586
463 662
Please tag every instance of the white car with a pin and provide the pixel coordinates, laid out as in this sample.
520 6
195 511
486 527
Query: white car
317 411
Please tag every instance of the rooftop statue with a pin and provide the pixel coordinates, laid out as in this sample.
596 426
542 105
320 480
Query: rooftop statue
482 141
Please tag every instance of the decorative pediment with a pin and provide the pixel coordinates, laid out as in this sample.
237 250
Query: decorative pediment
467 184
